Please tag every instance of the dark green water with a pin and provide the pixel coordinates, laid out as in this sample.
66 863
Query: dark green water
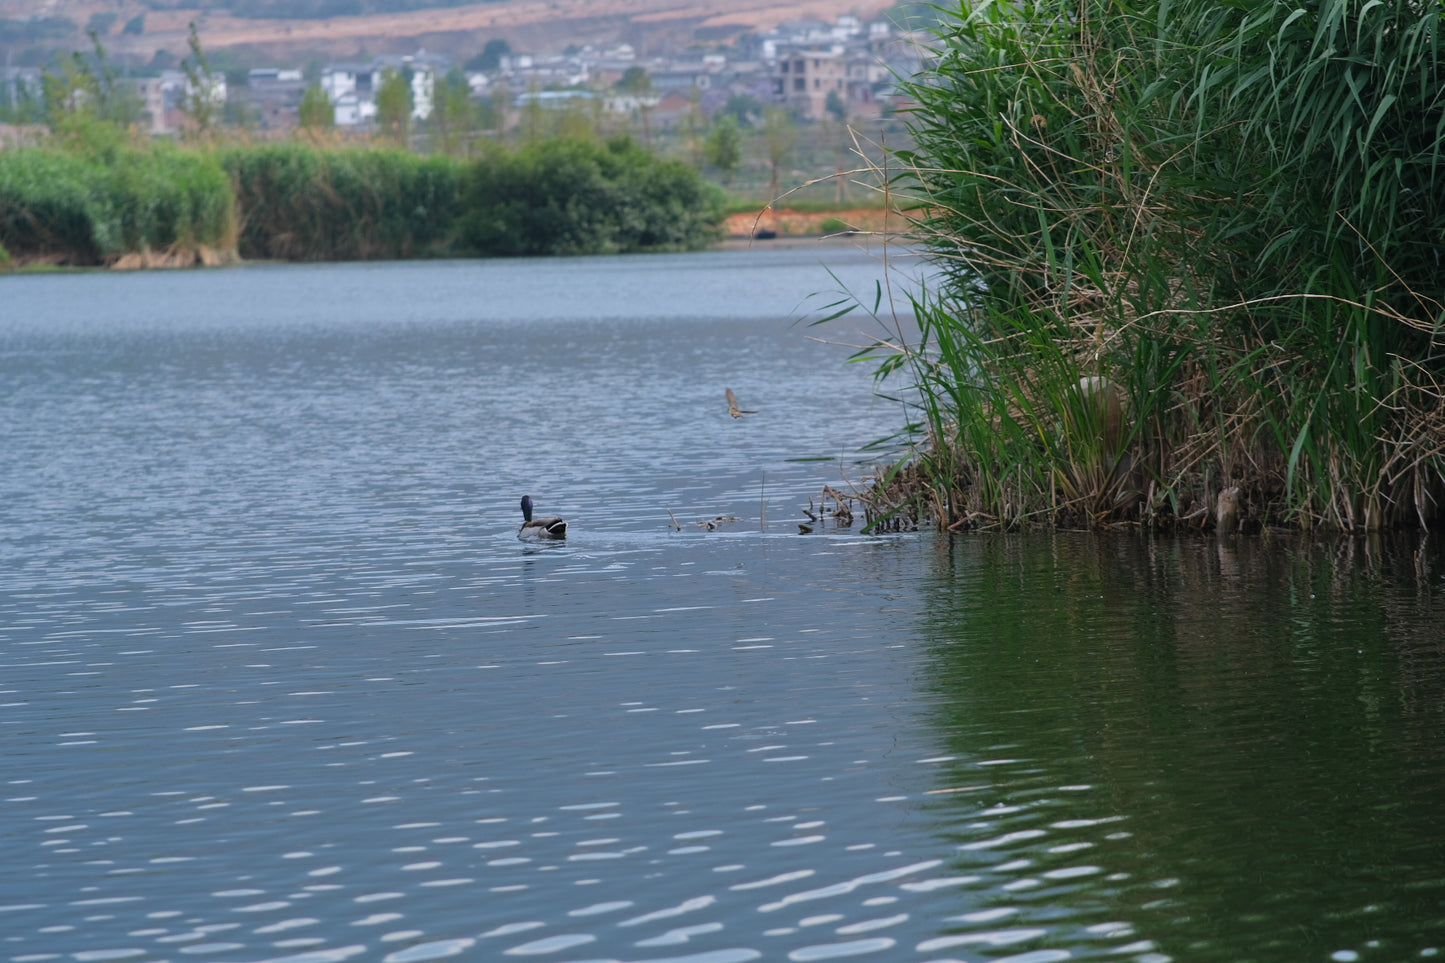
1261 727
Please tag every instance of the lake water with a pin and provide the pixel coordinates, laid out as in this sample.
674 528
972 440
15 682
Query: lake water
279 682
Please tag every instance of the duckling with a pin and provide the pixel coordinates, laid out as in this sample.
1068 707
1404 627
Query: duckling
539 527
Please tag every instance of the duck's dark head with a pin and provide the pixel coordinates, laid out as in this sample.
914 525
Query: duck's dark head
526 508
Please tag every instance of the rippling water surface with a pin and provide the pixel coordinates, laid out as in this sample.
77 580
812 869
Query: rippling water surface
278 681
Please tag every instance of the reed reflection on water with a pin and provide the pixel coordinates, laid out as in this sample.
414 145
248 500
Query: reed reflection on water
278 681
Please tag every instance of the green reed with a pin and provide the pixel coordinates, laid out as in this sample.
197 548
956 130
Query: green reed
95 198
85 208
1185 246
306 203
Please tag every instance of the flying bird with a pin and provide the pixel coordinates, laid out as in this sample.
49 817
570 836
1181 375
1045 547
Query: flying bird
733 408
551 527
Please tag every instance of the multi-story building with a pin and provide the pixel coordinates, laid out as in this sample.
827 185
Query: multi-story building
351 88
273 97
423 70
804 65
806 76
170 100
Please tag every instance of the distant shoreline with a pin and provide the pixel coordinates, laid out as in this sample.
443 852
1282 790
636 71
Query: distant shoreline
865 240
742 242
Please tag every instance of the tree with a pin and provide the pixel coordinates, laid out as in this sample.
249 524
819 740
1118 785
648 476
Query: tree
724 146
203 99
21 103
85 95
490 59
837 132
492 112
576 121
317 112
100 23
531 119
636 83
781 135
695 121
454 115
745 107
393 106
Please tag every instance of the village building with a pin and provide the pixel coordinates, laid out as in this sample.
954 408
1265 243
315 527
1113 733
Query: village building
169 101
808 67
351 88
272 97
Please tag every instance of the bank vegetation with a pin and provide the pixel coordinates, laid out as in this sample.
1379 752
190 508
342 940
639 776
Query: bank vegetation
1190 268
110 199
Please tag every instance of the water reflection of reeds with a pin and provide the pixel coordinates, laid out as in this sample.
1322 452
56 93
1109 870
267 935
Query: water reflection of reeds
1262 719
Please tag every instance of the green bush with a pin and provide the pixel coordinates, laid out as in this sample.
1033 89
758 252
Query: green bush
578 197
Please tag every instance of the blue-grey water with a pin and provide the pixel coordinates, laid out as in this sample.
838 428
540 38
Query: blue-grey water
279 682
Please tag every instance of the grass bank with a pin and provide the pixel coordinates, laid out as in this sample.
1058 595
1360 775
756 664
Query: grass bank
1189 262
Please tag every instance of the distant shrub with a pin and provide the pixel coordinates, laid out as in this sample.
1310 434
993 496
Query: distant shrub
579 197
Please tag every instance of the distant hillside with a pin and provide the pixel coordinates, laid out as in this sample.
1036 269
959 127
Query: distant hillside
309 9
294 30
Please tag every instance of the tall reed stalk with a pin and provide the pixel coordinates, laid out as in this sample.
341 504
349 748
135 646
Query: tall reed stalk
1186 246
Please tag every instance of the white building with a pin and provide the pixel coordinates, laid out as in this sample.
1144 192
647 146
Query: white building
423 70
351 88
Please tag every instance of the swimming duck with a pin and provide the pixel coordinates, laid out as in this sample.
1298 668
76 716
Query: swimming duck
539 527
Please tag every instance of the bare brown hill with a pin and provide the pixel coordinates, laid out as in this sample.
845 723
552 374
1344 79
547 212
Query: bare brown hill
534 25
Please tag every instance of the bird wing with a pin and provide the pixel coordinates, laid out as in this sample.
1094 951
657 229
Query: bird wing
733 408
